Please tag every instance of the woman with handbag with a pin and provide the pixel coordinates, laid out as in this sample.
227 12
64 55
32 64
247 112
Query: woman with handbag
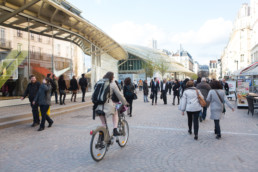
73 87
217 99
145 91
129 94
191 104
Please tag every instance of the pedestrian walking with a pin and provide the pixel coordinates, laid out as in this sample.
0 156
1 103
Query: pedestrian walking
176 88
129 94
73 87
154 90
217 100
145 91
31 91
83 84
169 86
43 98
204 87
140 85
164 90
190 103
62 89
225 86
183 86
54 88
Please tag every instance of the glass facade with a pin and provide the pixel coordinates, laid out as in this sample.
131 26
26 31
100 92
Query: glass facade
25 53
133 65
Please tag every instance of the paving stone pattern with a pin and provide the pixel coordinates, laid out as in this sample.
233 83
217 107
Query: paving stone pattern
158 142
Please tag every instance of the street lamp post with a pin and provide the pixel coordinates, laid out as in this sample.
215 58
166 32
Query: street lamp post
236 61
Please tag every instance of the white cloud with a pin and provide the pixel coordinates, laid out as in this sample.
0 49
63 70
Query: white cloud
132 33
205 43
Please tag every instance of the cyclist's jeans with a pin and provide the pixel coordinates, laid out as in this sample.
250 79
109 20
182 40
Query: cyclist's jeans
114 118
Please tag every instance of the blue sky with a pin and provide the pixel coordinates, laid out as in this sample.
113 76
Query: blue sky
201 26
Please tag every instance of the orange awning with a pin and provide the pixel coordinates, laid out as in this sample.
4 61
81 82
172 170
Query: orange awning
42 70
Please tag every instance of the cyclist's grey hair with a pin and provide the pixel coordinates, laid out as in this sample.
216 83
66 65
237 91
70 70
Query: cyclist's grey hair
204 79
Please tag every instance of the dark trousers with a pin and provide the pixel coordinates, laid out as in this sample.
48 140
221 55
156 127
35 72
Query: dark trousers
169 91
35 112
73 95
164 96
44 116
203 113
83 94
130 101
217 127
193 118
62 93
176 95
155 96
56 97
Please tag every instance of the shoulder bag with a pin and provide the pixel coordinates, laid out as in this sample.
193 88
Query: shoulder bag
223 104
201 100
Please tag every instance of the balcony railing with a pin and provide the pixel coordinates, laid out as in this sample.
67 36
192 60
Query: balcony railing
5 44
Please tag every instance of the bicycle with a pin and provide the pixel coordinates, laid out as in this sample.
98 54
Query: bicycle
101 139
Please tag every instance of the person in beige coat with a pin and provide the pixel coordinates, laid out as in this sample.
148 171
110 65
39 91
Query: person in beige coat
109 106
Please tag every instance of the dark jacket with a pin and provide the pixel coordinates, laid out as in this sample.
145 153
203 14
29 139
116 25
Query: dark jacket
31 90
73 85
169 85
128 91
204 88
43 96
166 87
225 86
145 88
155 88
62 85
176 88
53 84
83 83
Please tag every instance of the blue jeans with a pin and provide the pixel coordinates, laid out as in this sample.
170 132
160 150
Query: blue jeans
146 98
203 113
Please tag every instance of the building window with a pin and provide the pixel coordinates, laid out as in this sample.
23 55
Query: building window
39 38
19 33
19 47
2 35
242 59
31 36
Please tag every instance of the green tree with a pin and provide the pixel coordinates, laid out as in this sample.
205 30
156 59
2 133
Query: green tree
149 68
162 67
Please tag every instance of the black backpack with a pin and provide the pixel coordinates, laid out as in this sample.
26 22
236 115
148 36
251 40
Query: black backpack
101 92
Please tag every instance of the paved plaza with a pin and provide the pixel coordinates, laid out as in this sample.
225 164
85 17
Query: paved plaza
158 141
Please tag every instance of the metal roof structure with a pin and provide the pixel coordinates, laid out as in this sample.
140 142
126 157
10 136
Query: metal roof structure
61 20
146 53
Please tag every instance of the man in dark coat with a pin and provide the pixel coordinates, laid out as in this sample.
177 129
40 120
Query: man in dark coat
169 86
176 91
32 90
83 83
225 86
154 89
204 87
164 90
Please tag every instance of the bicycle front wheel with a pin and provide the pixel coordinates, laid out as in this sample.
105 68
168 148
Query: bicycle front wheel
123 128
98 146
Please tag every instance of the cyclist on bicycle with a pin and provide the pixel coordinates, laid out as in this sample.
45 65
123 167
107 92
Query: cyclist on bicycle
109 106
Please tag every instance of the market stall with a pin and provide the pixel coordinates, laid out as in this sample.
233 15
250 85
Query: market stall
247 83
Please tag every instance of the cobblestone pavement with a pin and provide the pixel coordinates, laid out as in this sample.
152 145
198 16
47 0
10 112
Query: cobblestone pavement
158 142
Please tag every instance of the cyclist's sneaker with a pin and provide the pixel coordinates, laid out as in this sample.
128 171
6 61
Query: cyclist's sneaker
115 132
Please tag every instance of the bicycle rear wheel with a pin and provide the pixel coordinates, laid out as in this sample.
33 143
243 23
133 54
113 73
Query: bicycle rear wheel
123 128
98 146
